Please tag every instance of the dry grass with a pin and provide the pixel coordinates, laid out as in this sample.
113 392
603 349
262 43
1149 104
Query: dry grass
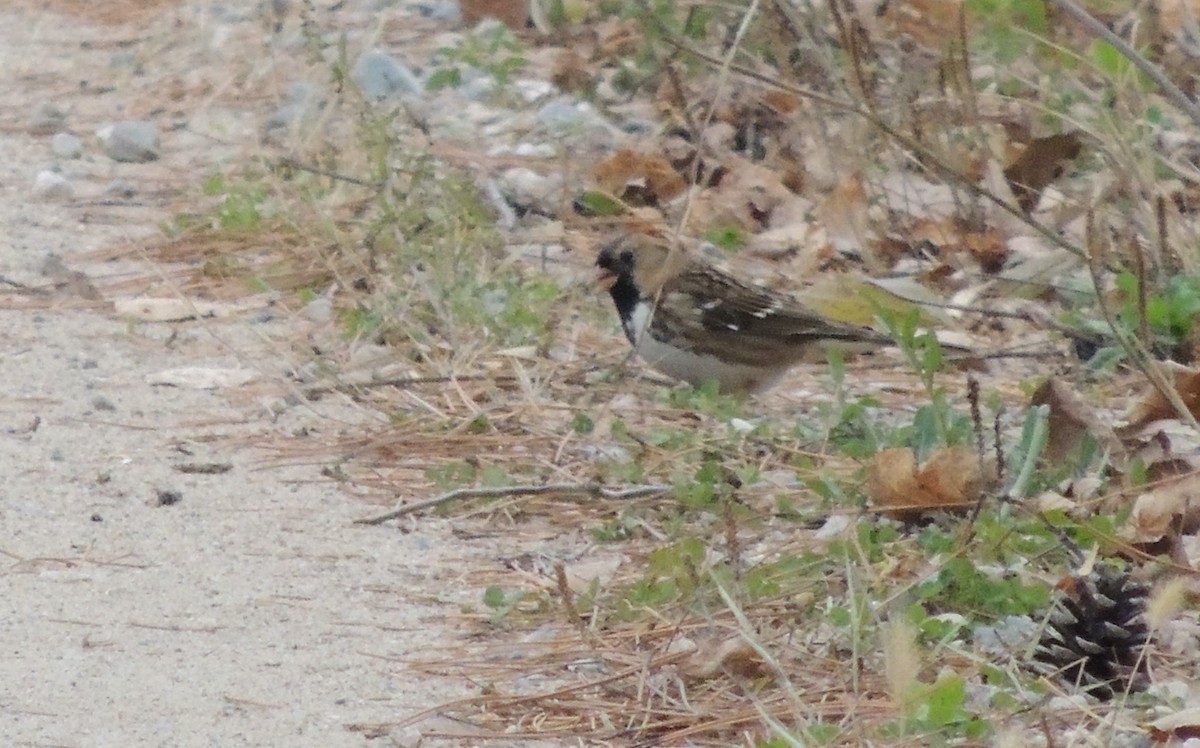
110 12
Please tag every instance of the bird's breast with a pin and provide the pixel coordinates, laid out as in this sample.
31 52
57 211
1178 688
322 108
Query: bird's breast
661 351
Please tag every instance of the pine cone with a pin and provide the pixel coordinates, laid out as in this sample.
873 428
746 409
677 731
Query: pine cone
1095 634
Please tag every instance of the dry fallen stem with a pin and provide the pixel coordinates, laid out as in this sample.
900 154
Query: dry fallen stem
594 490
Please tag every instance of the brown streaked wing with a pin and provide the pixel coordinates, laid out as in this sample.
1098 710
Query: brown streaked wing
726 305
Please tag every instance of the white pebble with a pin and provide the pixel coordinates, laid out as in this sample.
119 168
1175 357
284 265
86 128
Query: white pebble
52 186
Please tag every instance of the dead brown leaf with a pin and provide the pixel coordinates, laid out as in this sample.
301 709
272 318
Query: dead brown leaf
1163 515
928 22
639 179
951 478
950 237
617 38
1154 407
571 71
732 657
1042 161
988 248
748 195
512 13
1176 728
844 215
1071 420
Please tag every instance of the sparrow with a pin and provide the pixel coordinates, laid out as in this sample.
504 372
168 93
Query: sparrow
694 322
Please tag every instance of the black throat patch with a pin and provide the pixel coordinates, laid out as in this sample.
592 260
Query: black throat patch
626 297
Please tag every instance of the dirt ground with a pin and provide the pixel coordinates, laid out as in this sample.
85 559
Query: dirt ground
145 603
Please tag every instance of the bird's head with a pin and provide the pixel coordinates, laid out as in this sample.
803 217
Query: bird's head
642 261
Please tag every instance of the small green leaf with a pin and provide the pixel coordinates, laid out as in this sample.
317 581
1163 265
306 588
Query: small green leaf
839 616
444 78
729 238
494 597
946 700
696 25
1108 60
596 204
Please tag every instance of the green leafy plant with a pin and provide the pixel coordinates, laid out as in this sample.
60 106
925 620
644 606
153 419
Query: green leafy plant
962 587
241 205
490 48
936 423
1170 314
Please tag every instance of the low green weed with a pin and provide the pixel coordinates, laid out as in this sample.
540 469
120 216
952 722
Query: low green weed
490 48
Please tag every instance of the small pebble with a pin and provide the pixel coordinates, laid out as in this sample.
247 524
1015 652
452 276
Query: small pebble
99 402
535 150
47 118
380 76
125 60
639 127
319 310
561 115
531 90
132 141
66 145
275 406
120 188
168 498
526 187
310 372
50 185
477 85
448 11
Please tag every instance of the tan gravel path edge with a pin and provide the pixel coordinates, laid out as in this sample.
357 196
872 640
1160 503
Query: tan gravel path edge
250 612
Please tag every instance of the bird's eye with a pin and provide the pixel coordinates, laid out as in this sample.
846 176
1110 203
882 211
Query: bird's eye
627 257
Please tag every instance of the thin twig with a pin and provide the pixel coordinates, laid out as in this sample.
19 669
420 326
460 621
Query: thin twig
292 163
5 280
595 490
350 388
1164 245
568 600
1139 269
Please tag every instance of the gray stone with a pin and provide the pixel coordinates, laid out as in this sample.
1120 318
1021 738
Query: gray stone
535 150
380 76
639 127
532 89
441 10
131 141
477 85
319 309
50 185
120 188
125 60
526 187
561 115
47 118
66 145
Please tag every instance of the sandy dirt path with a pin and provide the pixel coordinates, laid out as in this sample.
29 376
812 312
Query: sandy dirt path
249 611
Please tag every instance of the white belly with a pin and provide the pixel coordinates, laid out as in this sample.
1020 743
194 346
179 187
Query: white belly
695 368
